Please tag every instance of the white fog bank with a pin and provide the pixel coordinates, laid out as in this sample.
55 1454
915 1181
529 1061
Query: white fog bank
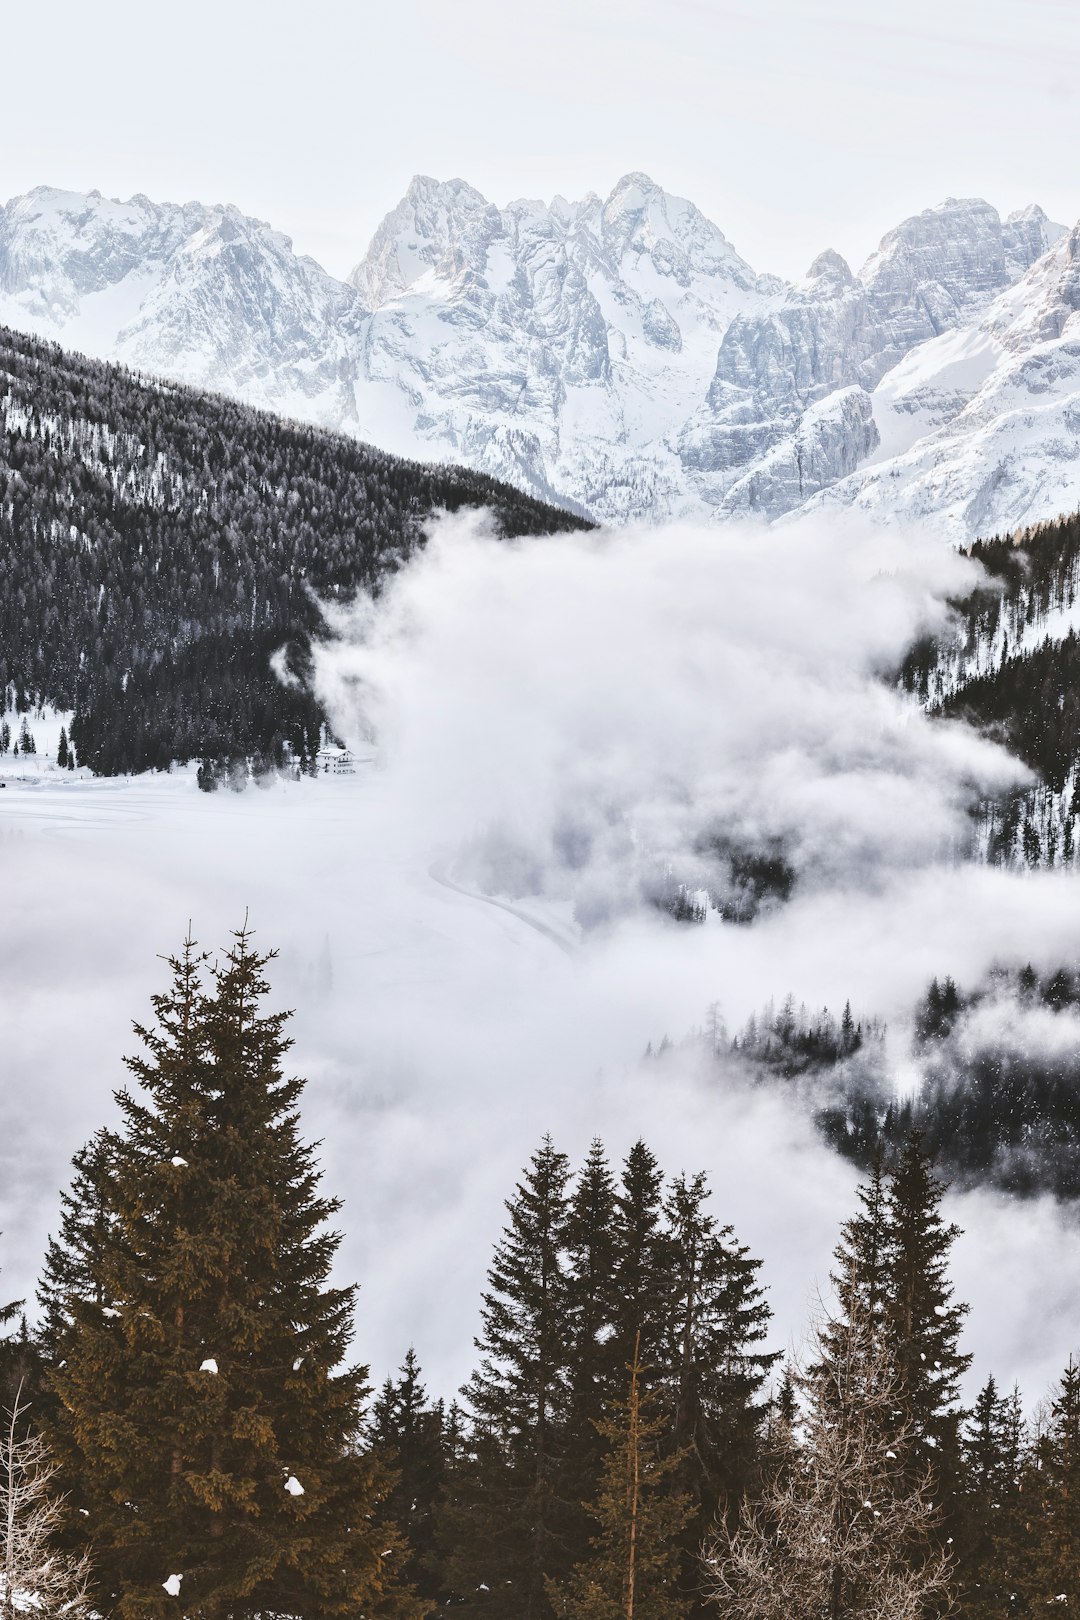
545 721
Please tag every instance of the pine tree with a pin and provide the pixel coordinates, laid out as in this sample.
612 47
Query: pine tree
862 1277
1055 1555
62 750
592 1307
641 1265
205 1425
923 1320
34 1576
991 1516
714 1368
411 1435
632 1569
72 1269
506 1518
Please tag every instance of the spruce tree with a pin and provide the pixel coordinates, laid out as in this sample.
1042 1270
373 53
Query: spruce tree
411 1436
592 1307
714 1367
641 1265
207 1429
862 1277
923 1319
506 1519
1055 1554
72 1269
991 1527
632 1569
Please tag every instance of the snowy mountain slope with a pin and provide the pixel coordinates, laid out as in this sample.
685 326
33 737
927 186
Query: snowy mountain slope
617 353
554 344
203 295
762 442
983 425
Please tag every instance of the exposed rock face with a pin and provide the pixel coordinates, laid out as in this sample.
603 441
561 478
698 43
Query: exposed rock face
995 412
616 353
205 295
829 441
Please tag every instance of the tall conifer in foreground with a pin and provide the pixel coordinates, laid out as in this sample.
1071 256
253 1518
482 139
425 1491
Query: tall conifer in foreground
923 1320
207 1430
632 1569
412 1436
505 1522
592 1308
1054 1577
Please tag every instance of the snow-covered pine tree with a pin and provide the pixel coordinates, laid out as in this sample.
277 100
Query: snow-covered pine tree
206 1425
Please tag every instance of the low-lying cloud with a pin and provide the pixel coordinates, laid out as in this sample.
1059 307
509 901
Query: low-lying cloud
578 714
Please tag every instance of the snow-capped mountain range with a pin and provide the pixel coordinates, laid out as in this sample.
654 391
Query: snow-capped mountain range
616 354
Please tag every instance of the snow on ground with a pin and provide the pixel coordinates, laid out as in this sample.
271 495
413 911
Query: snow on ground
444 1030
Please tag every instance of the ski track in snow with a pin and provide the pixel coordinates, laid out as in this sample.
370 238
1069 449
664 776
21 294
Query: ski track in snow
560 939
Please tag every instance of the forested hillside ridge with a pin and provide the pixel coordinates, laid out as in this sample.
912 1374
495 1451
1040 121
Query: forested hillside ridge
161 546
629 1443
1012 667
988 1074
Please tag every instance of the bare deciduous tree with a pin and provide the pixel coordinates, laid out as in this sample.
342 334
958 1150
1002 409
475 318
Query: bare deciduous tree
838 1534
35 1577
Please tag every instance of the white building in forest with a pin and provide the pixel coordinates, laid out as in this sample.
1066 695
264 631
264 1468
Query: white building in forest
335 761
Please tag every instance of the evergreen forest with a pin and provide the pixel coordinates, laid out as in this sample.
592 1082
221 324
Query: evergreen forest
1002 670
161 545
189 1434
998 1066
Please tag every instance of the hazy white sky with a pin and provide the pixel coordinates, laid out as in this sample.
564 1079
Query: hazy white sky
794 125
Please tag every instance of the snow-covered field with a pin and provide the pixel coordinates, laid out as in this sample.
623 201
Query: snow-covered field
442 1030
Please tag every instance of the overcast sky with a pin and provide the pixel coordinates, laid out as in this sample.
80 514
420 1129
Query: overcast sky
794 125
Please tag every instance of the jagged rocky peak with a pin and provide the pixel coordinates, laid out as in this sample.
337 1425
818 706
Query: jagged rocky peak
641 219
1046 299
935 270
952 259
1028 234
59 245
831 268
445 224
